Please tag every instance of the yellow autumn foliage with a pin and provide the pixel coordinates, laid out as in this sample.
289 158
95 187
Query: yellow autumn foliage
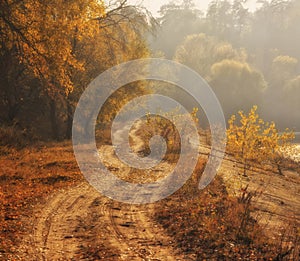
253 140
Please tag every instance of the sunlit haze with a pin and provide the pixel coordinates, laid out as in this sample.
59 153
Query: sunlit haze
154 5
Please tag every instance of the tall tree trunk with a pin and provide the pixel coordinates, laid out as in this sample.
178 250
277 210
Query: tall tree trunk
69 120
53 120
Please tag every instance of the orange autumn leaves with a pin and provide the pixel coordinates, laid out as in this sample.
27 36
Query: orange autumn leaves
42 33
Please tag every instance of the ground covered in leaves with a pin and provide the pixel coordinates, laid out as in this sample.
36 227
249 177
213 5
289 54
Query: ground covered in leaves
211 224
27 177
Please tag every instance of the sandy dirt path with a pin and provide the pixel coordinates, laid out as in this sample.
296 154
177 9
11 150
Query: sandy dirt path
81 224
73 219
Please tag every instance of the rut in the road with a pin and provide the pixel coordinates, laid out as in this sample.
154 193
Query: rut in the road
74 219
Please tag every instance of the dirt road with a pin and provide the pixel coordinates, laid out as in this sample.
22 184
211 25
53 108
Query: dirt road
81 224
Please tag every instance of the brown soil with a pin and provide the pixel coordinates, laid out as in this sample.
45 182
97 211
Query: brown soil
78 223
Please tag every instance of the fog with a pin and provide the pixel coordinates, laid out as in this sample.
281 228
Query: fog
154 5
248 58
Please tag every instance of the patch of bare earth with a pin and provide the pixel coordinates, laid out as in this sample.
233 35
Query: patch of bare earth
78 223
50 213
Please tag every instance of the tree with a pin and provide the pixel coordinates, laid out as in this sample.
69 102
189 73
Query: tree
176 21
119 38
253 140
227 20
240 16
219 18
291 103
200 52
284 68
51 50
273 26
39 36
237 85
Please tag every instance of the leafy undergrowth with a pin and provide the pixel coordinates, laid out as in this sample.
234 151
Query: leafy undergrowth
27 176
211 225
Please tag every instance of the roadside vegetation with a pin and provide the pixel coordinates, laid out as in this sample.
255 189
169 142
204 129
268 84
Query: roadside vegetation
50 51
205 224
213 225
253 141
28 176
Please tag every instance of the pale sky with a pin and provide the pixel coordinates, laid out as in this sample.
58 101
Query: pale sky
154 5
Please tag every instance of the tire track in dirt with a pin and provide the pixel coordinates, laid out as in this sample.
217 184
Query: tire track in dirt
143 239
54 234
72 219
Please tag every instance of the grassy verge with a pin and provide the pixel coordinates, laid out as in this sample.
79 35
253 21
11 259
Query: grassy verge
208 224
212 225
27 176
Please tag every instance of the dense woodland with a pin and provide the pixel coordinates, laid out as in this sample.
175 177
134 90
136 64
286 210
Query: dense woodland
51 50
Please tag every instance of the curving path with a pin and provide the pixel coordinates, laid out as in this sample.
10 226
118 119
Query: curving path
73 220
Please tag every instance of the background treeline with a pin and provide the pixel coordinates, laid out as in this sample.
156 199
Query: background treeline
248 58
51 50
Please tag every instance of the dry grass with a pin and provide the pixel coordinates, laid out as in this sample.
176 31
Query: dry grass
27 176
212 225
208 224
12 136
